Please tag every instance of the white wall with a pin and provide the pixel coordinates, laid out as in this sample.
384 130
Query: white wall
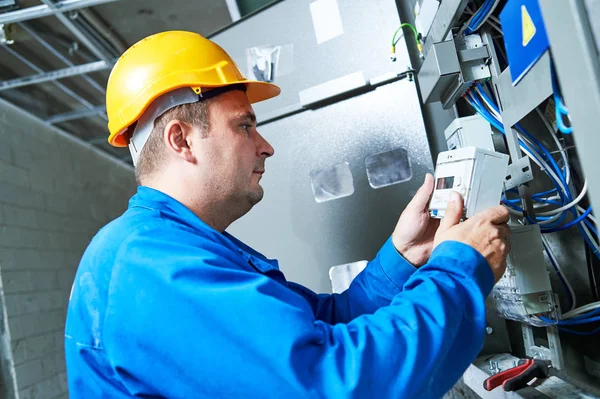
55 193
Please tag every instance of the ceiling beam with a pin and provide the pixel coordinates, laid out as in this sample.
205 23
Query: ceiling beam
87 41
58 55
44 10
234 10
77 114
54 75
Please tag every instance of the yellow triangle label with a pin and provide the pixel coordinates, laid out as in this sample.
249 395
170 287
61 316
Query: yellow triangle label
528 26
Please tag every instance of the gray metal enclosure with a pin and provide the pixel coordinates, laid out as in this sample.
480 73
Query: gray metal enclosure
307 236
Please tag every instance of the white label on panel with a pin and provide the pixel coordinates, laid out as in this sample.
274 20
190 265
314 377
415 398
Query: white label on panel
327 20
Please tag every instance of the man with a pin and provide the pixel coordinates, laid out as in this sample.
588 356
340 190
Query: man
166 304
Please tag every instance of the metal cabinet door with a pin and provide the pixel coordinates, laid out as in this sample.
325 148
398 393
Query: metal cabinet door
308 237
364 46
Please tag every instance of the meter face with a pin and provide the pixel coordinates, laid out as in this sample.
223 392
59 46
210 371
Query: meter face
444 183
454 175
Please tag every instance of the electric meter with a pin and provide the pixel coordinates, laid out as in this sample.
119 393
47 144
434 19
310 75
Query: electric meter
476 174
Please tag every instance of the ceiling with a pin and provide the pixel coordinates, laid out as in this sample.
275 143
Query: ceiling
47 44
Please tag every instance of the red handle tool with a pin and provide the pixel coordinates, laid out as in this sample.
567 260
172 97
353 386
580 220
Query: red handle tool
518 377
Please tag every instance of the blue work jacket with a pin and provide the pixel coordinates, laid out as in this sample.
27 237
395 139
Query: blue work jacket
164 306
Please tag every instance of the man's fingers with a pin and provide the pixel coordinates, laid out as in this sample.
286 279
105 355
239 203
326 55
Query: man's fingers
420 201
454 212
497 215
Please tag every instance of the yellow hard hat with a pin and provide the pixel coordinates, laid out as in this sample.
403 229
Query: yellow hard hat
162 63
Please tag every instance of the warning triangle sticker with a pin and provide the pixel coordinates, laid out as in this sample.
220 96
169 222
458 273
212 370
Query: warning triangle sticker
528 26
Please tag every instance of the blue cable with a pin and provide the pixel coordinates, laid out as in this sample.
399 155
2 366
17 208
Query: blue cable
542 149
573 222
560 123
470 29
594 331
573 322
557 170
544 193
586 315
560 323
564 196
479 15
559 105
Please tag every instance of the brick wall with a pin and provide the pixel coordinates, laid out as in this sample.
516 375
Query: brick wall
55 193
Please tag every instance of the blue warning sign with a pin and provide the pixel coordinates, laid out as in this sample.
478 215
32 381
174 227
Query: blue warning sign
525 36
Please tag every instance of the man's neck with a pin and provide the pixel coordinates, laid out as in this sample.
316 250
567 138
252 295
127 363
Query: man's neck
218 214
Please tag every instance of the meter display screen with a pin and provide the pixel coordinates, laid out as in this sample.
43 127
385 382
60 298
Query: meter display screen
444 183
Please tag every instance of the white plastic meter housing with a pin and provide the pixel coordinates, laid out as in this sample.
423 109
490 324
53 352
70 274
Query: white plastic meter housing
477 174
469 131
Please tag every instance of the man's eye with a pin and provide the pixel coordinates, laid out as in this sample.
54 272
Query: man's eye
246 126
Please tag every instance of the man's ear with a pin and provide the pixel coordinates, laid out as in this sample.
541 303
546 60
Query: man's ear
178 138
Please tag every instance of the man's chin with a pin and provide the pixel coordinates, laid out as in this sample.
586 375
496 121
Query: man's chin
256 196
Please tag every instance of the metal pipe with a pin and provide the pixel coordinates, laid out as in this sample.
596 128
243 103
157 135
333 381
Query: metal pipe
234 10
58 55
53 75
77 114
38 69
45 10
82 37
101 27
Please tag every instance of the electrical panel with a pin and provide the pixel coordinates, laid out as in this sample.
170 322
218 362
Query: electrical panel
476 174
527 71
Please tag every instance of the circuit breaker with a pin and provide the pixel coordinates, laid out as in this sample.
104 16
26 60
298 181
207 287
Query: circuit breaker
475 173
470 131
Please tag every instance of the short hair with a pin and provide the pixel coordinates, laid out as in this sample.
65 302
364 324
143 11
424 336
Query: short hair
153 155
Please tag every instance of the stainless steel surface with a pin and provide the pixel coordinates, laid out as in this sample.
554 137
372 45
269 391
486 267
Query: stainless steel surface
333 88
577 65
368 27
439 71
44 10
54 75
531 91
81 36
592 8
77 114
309 237
436 118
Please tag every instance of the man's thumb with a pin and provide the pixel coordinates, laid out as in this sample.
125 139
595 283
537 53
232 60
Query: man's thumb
453 213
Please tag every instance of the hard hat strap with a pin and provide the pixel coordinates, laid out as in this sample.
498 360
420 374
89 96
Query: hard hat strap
162 104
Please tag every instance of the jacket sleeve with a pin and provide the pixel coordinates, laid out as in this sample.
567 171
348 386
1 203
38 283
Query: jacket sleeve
183 320
373 288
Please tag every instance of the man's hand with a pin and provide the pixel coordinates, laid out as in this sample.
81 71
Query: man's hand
415 231
487 232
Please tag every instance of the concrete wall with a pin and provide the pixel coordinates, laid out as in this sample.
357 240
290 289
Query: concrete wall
55 193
